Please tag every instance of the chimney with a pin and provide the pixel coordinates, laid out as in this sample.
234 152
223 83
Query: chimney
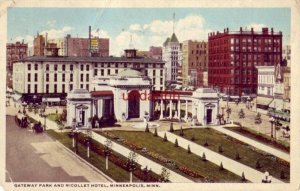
252 30
227 29
241 29
272 30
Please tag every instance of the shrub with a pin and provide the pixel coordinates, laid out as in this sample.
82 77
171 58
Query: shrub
206 143
171 127
176 143
243 177
165 138
221 149
203 157
237 156
181 131
147 128
221 167
155 132
258 165
189 150
282 175
193 137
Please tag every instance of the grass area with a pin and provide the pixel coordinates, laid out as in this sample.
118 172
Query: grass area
53 116
279 144
230 146
178 155
115 172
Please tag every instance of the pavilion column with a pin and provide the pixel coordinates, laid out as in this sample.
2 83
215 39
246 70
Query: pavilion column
170 116
186 110
161 109
178 107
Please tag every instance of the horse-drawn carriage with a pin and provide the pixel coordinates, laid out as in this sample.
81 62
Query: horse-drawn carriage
21 120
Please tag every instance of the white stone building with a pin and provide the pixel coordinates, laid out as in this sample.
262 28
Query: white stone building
286 54
47 76
172 56
265 81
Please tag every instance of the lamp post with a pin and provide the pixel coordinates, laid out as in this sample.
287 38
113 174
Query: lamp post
272 120
73 132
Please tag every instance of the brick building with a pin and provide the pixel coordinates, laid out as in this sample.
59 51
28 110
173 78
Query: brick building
233 56
14 51
39 43
155 52
194 62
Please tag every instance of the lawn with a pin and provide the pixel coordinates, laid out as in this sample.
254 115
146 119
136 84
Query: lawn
115 172
230 146
53 116
176 154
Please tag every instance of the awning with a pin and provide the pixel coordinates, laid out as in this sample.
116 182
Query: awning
16 97
102 93
279 104
51 99
263 101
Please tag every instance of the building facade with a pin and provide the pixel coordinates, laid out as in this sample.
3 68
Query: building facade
155 52
266 81
194 62
233 56
287 84
286 54
14 52
39 44
44 76
83 47
171 54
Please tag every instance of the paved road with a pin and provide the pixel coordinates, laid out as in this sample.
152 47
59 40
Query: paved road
37 158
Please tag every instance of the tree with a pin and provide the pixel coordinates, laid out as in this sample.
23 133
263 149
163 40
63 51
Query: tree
243 177
171 127
63 115
241 114
258 165
165 138
193 137
189 150
237 156
155 132
258 119
176 143
107 151
204 157
165 174
228 111
206 143
220 149
181 131
220 118
221 167
131 163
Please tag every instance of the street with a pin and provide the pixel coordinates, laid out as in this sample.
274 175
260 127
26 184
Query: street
34 157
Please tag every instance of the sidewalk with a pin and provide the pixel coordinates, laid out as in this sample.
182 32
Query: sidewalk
254 143
155 167
216 158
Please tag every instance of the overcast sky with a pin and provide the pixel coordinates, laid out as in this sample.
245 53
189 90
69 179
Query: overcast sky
147 26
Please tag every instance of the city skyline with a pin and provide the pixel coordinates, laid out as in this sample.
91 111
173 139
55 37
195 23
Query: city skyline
150 29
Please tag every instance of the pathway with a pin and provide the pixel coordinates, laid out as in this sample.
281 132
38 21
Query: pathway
216 158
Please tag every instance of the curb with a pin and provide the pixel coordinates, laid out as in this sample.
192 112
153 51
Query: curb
81 159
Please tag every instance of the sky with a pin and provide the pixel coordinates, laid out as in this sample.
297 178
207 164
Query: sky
147 26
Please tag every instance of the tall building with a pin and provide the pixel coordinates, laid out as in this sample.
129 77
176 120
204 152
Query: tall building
155 52
194 63
287 83
286 54
39 43
14 52
171 55
74 46
59 44
233 56
40 77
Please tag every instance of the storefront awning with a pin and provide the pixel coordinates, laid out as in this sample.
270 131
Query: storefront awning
279 104
263 101
51 99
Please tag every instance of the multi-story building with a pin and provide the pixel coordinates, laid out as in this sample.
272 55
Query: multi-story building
233 56
59 44
14 51
171 55
287 83
142 53
194 62
265 81
39 77
155 52
39 44
74 46
286 54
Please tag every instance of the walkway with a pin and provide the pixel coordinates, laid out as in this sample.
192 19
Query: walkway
155 167
254 143
216 158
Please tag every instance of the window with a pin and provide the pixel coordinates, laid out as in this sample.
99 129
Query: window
102 65
81 77
28 77
71 87
116 71
153 81
28 66
153 72
47 88
81 67
108 65
63 88
63 67
108 72
87 67
55 77
125 65
87 77
55 67
102 72
47 67
35 77
71 67
161 81
28 88
87 87
47 77
55 88
95 72
81 86
35 88
35 67
63 77
117 65
161 72
71 77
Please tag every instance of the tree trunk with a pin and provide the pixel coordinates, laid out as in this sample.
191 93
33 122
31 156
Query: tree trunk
106 160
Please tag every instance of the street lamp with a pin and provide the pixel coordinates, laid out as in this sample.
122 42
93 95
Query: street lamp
266 178
272 120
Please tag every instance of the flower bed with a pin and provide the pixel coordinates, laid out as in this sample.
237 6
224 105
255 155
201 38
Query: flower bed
189 172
